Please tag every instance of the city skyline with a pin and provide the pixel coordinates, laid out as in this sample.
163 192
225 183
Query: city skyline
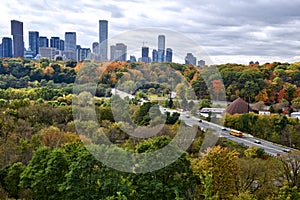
39 46
237 31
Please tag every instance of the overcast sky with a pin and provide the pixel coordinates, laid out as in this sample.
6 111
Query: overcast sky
229 31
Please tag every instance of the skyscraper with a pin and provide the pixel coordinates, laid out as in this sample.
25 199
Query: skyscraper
18 40
201 63
161 48
95 47
103 36
7 47
1 51
70 41
169 55
78 47
55 42
190 59
118 52
145 55
61 45
132 58
70 45
43 41
84 53
145 52
34 42
154 55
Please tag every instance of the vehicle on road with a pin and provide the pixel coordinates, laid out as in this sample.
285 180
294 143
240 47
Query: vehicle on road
224 129
257 141
286 150
236 133
200 120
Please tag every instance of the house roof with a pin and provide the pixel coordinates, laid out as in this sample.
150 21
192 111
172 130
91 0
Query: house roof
238 106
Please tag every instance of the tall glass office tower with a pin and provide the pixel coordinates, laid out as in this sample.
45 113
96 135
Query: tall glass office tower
34 42
161 48
6 47
70 45
18 38
103 35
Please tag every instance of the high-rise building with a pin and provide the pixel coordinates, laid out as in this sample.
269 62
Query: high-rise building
55 42
190 59
84 53
78 47
145 55
70 41
132 58
43 41
34 42
48 52
201 63
18 40
61 45
95 47
70 45
103 36
161 48
169 55
145 52
7 50
1 51
118 52
154 55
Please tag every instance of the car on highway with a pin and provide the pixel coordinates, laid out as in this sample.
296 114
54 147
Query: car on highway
257 141
224 129
286 150
200 120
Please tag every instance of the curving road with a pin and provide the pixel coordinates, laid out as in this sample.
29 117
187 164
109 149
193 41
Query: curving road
247 140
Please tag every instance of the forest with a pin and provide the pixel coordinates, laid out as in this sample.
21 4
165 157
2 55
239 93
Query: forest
42 156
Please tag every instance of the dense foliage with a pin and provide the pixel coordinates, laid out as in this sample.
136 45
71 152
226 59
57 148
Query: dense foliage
42 157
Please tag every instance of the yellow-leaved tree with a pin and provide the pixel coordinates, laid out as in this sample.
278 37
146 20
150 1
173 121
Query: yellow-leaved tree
217 169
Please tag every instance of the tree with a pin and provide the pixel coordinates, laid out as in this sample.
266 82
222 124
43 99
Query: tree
244 196
174 181
288 193
296 103
141 116
253 152
57 167
291 167
33 177
12 180
258 176
184 103
172 118
205 103
181 90
87 178
222 165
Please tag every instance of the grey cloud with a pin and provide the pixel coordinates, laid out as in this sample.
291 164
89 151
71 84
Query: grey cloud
115 11
233 27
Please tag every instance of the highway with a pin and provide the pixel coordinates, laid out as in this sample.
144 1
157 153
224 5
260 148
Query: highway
247 140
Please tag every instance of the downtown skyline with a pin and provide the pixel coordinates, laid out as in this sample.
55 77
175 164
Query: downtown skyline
41 46
236 32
